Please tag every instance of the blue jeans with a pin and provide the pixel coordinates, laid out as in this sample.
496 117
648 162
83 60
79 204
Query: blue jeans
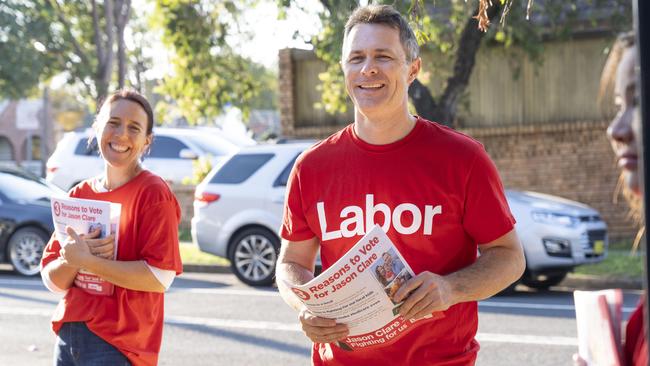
76 345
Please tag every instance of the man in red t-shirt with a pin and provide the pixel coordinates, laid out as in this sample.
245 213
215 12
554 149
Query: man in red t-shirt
434 191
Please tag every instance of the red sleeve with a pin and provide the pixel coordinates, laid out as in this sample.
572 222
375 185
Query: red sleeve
51 251
487 215
158 235
294 223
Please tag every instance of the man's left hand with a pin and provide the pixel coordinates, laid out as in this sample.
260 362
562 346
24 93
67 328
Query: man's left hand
424 294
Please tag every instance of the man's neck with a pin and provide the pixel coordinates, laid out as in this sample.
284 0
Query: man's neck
383 130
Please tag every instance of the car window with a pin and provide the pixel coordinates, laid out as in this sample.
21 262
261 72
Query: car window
166 147
283 178
240 167
17 187
85 149
214 145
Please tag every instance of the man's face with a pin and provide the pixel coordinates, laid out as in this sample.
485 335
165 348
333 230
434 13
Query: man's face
377 74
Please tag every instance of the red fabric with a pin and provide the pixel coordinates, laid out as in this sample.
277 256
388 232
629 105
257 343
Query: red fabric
132 321
432 166
636 344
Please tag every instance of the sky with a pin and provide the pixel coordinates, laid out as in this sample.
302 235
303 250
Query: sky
269 34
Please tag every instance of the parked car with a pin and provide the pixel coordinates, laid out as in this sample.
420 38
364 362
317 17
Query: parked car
238 213
25 219
172 152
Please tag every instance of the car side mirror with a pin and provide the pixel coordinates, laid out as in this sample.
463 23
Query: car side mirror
187 154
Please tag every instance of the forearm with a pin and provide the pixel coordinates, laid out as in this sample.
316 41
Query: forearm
294 274
493 271
133 275
59 274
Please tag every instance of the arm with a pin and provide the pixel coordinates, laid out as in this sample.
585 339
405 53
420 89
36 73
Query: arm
134 275
59 277
501 263
296 265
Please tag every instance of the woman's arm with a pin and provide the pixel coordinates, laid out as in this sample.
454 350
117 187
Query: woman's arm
58 274
134 275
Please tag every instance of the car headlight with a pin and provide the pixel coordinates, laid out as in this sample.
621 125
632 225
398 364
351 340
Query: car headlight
554 218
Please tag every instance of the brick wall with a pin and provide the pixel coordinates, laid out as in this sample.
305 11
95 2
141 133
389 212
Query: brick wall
572 160
185 196
285 75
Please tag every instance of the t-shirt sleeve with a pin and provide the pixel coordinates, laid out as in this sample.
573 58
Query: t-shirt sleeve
158 235
51 251
294 223
487 215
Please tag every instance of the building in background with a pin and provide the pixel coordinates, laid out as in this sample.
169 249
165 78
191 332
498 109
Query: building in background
25 136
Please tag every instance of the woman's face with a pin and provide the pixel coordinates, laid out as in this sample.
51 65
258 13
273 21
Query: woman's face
122 133
620 131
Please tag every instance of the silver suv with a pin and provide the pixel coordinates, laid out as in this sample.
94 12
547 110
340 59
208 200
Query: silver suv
171 155
238 213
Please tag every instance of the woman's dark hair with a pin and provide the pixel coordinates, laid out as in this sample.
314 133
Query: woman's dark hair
136 97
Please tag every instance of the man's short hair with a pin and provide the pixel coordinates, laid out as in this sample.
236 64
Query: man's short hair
386 15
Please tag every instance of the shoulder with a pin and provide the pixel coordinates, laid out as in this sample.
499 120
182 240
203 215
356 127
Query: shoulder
324 149
153 188
454 143
450 136
83 188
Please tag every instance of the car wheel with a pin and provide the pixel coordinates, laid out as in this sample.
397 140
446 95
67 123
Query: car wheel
25 249
543 282
253 254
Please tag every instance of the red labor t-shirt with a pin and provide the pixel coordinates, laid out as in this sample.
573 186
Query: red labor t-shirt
435 192
132 321
636 343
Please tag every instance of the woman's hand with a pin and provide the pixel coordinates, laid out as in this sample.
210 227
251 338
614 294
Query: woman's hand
102 247
75 252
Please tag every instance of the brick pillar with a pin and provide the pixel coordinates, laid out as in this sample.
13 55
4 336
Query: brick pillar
287 111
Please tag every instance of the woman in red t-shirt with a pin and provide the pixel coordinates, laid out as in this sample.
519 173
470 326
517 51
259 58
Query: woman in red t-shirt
620 71
125 326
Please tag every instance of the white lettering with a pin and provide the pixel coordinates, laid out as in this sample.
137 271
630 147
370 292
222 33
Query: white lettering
429 213
372 209
356 220
320 207
397 218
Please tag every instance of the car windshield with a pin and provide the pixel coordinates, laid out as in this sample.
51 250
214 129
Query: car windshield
213 144
20 187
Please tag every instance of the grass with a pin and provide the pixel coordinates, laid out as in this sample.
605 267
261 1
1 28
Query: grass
619 263
190 253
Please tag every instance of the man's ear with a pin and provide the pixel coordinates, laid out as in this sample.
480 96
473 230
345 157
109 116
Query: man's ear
414 69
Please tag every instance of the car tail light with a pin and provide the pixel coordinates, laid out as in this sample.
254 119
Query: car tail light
206 197
52 169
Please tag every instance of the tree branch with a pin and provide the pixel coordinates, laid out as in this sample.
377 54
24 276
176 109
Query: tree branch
60 15
468 45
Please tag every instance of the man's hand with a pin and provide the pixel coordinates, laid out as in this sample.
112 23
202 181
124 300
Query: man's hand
321 330
75 251
423 295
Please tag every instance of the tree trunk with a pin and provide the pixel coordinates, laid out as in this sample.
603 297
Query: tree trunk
104 48
422 100
444 109
122 13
